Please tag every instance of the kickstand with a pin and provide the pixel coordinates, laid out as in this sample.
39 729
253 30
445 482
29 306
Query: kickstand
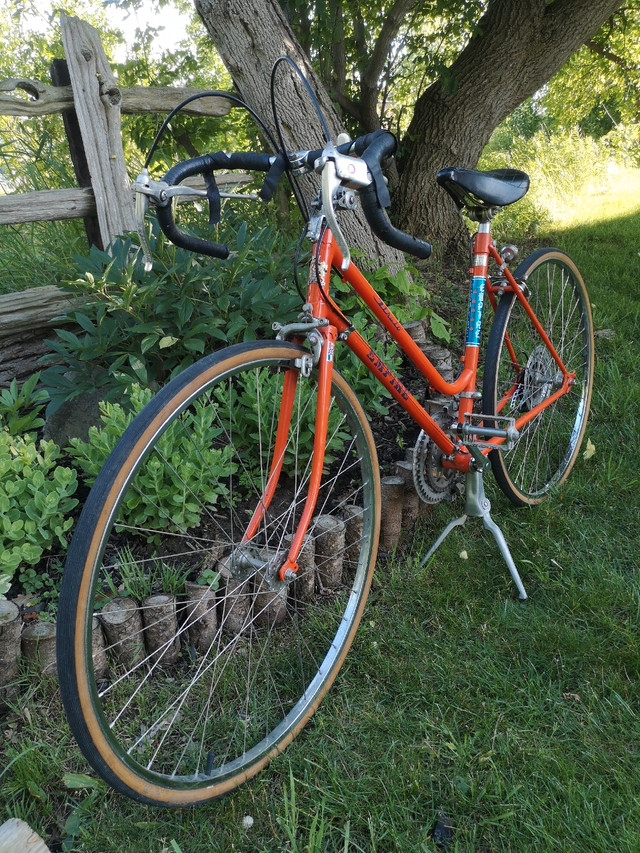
479 506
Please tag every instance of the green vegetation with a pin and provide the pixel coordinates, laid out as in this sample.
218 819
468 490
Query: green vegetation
165 499
515 721
138 326
36 501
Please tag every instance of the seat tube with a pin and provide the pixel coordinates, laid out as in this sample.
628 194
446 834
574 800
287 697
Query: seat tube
478 271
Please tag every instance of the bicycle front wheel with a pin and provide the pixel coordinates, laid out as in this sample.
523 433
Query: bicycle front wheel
185 664
520 373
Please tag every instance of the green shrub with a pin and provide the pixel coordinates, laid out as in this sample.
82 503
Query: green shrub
36 500
624 144
20 409
164 498
146 327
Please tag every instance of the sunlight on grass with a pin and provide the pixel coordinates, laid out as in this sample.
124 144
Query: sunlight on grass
617 195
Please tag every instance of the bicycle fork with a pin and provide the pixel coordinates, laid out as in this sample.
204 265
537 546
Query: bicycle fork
289 568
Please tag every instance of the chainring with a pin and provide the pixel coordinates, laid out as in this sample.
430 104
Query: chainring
432 481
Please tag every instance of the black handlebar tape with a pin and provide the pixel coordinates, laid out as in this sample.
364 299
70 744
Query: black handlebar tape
357 146
382 146
205 165
380 225
273 176
376 197
373 148
188 241
220 160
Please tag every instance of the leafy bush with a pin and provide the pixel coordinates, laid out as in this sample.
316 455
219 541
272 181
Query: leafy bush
164 498
624 144
403 291
36 499
146 327
20 409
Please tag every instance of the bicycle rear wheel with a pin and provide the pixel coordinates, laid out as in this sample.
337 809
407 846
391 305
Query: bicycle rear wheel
520 373
202 692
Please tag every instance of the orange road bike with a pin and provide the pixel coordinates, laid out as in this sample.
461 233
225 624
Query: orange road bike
255 473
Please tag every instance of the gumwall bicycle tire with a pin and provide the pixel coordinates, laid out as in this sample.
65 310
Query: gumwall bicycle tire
548 445
198 697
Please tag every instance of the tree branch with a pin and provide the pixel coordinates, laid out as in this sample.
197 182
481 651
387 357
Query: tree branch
598 49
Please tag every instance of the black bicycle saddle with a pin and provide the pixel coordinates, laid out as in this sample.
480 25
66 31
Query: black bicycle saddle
473 189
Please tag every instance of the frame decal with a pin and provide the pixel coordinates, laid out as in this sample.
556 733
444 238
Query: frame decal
476 302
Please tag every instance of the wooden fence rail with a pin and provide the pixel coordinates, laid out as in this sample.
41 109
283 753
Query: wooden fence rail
104 198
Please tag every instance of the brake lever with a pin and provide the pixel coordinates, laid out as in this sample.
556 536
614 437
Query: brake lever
142 189
330 183
162 194
340 170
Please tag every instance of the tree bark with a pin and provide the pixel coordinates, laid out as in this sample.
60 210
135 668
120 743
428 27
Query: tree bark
250 36
517 47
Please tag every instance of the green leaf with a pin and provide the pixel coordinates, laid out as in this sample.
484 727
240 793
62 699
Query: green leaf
149 341
69 337
84 321
78 781
139 368
167 341
194 345
439 328
35 790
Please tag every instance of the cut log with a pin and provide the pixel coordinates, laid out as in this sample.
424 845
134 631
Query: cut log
98 650
329 533
353 519
304 586
200 615
10 629
392 499
16 836
270 604
39 645
236 600
122 625
160 623
411 505
441 359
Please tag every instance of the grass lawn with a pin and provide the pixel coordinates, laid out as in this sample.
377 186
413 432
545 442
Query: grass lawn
516 722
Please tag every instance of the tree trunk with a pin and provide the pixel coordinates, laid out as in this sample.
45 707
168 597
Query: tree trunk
250 35
517 47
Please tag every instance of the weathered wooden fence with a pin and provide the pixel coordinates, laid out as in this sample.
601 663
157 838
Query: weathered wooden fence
86 93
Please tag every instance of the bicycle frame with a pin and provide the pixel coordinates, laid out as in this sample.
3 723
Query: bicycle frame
328 258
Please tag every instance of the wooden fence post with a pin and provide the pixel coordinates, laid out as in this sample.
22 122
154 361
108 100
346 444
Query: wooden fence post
60 77
97 102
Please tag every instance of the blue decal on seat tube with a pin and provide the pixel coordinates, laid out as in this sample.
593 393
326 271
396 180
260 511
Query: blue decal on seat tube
476 302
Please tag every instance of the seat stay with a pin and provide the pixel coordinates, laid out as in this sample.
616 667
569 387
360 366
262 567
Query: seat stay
521 295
